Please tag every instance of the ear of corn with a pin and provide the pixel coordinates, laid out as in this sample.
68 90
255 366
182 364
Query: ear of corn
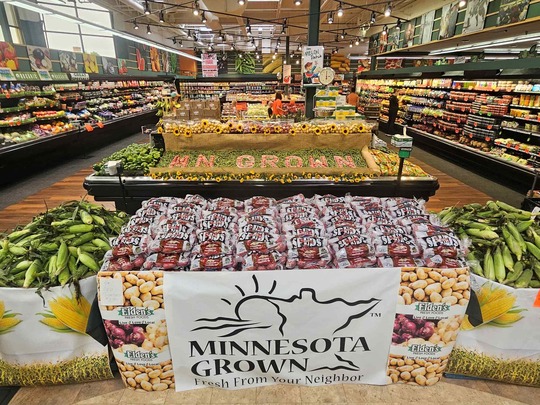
496 307
2 309
7 323
69 317
54 323
507 319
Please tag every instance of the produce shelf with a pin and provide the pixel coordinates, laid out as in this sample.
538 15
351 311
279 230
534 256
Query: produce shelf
521 119
523 106
517 176
521 131
138 189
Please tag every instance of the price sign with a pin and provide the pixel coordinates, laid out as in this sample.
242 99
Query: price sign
59 76
44 75
79 76
6 74
26 76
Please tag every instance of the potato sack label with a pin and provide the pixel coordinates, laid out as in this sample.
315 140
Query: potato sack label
247 329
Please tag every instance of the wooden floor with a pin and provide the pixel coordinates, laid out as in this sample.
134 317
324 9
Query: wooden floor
448 391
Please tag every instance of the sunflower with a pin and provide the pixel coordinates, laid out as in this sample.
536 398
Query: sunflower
333 127
292 131
267 131
230 124
160 130
240 128
204 123
304 127
318 131
187 133
277 129
176 132
219 130
345 131
253 129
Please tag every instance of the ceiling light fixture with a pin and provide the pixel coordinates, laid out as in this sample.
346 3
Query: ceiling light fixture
297 61
203 18
385 30
161 17
189 36
220 36
181 44
350 44
274 56
257 56
340 10
195 8
241 2
331 18
462 3
248 27
357 41
174 40
373 17
135 25
276 50
299 48
148 31
297 2
337 38
388 10
146 7
398 24
343 35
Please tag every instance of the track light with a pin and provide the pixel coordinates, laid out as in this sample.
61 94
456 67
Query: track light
350 44
274 56
385 30
248 27
357 41
189 36
337 38
148 31
340 10
284 27
373 17
161 19
398 24
297 2
299 48
220 36
181 44
240 55
203 18
330 18
276 50
342 36
257 56
146 7
135 25
462 3
388 10
195 8
283 30
241 2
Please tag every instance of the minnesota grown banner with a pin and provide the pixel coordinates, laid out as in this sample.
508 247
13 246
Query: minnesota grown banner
246 329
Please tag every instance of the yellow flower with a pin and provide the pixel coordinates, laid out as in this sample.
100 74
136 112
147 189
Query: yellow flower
345 131
176 132
304 127
292 132
240 128
333 127
160 130
318 131
219 130
204 123
188 133
253 129
277 129
230 124
267 131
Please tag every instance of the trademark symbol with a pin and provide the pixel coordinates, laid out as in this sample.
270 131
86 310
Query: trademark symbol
376 315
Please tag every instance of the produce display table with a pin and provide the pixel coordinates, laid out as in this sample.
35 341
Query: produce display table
129 194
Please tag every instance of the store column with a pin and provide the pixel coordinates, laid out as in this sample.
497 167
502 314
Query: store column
313 40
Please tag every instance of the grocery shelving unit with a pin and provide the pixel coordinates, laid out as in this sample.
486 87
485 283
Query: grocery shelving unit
473 122
110 108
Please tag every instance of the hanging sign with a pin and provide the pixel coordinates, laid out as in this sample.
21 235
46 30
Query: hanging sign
44 75
79 76
59 76
6 74
312 64
209 65
248 329
287 76
26 76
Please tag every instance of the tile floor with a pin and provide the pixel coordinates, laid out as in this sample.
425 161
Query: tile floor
446 392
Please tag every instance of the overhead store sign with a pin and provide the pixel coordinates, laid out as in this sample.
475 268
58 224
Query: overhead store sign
247 329
209 65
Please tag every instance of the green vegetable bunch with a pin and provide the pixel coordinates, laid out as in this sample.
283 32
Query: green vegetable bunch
136 158
244 64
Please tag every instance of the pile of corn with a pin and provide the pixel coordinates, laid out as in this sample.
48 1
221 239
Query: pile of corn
505 241
62 245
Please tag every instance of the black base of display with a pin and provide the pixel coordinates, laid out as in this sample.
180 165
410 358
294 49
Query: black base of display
135 190
21 160
490 166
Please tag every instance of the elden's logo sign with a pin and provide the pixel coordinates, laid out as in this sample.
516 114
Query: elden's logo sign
262 327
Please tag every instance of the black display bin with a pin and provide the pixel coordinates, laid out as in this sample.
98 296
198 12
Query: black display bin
132 191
